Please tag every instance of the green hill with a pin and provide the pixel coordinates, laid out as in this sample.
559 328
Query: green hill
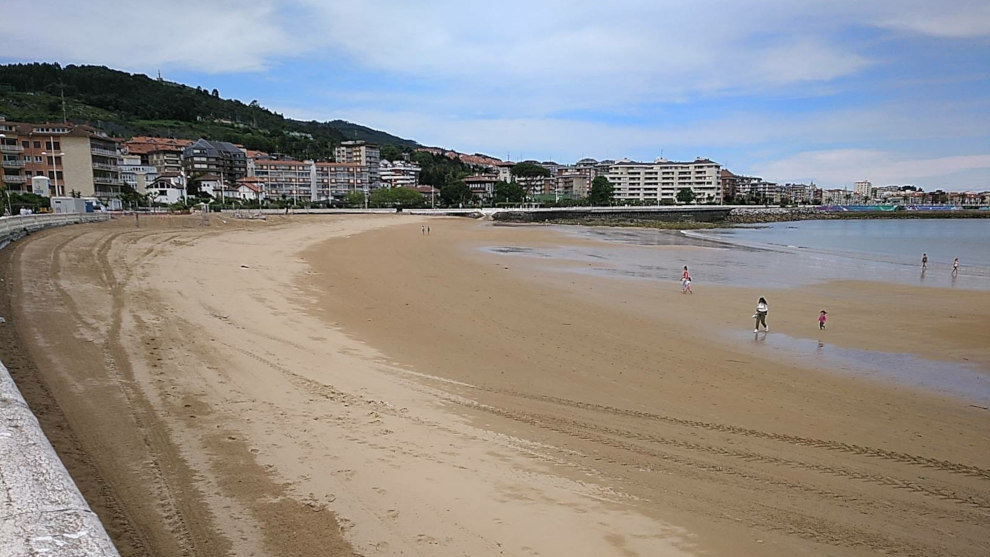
126 104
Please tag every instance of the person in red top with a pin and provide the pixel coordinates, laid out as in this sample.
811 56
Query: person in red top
686 282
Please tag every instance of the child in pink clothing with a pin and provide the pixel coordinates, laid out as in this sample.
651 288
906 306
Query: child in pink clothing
822 317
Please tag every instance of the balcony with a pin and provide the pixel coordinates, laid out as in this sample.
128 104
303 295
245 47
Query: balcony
103 152
108 181
7 163
10 148
13 179
104 166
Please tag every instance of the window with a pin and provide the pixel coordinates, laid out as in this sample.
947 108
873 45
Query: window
37 145
26 144
37 158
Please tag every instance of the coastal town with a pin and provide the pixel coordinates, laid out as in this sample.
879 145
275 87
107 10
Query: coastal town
76 160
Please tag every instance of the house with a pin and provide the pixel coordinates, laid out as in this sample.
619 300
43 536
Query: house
168 188
249 189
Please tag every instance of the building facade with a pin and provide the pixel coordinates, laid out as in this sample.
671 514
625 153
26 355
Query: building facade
398 174
361 153
74 158
318 182
863 189
164 153
658 182
215 157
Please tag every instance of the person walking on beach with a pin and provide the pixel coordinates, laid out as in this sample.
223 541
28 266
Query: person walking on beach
955 267
822 318
924 261
685 281
761 315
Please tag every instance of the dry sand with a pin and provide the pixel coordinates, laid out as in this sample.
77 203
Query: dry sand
346 385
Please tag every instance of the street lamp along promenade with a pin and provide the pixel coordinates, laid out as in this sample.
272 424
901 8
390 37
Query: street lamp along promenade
3 187
53 154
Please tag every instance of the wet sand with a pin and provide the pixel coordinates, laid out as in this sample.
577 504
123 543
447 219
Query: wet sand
339 385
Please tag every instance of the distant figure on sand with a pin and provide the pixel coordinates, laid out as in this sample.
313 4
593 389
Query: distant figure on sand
924 261
422 230
761 315
686 282
822 318
955 267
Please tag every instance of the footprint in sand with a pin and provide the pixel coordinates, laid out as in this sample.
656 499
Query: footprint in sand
423 538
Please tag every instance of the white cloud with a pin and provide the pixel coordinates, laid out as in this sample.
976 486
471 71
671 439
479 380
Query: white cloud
845 166
215 37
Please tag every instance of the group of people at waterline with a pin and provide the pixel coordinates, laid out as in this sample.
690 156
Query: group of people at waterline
762 308
924 264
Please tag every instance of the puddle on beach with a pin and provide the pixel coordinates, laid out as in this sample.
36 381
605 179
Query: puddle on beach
951 378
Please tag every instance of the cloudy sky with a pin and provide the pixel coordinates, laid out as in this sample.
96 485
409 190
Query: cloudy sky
897 92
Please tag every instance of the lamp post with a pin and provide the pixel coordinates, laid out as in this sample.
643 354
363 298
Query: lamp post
3 185
53 154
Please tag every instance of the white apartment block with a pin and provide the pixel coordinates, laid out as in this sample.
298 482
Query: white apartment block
398 174
863 189
661 180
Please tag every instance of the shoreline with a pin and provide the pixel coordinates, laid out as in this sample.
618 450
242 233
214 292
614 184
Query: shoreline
415 394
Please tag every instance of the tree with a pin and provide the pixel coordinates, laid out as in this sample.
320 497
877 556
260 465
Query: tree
396 197
456 193
354 199
529 169
130 197
685 195
390 153
601 191
509 192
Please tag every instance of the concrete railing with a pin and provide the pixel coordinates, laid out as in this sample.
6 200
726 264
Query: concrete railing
13 228
41 509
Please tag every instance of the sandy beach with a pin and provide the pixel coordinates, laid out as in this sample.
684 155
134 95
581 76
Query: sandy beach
346 385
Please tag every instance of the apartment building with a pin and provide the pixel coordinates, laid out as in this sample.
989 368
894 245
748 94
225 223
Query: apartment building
398 174
863 189
215 157
659 181
309 180
573 182
164 153
362 153
74 158
136 174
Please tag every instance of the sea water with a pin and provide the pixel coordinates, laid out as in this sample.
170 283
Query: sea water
787 254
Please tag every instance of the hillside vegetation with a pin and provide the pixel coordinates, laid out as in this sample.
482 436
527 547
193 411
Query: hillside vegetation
126 104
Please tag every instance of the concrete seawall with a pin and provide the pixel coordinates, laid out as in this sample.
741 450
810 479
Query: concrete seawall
41 509
14 228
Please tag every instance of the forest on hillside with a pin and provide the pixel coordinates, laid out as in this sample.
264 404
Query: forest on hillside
126 104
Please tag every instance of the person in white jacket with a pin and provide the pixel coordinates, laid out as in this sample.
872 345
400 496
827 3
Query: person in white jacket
761 315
